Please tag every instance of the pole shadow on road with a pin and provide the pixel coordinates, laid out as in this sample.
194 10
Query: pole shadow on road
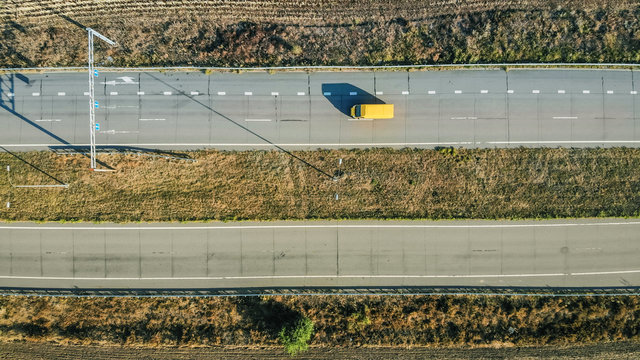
344 96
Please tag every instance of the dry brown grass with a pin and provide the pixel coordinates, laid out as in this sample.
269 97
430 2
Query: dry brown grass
320 32
497 321
380 183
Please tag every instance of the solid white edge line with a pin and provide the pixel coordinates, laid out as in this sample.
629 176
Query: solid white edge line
332 276
323 226
343 144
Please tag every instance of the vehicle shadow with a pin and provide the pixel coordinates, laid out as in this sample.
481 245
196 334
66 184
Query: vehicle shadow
344 96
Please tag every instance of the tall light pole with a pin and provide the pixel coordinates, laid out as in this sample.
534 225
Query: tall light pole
93 104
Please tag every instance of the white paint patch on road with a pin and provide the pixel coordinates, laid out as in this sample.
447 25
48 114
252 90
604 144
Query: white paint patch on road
113 93
300 93
112 132
633 92
147 119
564 117
431 92
609 92
586 91
248 93
222 93
484 91
379 93
86 93
464 118
561 91
62 93
509 91
405 92
167 93
35 94
11 94
258 120
275 93
353 93
458 91
535 91
194 93
140 92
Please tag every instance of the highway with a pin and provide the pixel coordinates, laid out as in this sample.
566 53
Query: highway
575 253
299 110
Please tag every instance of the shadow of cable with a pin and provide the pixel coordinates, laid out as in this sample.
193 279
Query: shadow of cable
344 96
33 166
267 141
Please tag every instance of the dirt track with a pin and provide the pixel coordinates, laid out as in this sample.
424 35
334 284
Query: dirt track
26 351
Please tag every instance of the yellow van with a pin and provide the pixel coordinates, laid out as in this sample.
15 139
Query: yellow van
372 111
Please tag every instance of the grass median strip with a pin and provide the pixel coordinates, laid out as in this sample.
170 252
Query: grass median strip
338 321
376 183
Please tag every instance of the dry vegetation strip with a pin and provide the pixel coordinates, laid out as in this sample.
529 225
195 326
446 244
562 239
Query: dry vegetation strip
339 321
378 183
318 32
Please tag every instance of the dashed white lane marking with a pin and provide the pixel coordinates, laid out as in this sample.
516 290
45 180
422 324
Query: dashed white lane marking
458 91
464 118
257 120
48 120
11 94
248 93
633 92
321 226
35 94
405 92
140 92
195 93
222 93
561 91
564 117
609 91
326 93
509 91
86 93
379 93
535 91
61 93
167 93
152 119
431 92
113 93
586 91
353 93
484 91
274 93
300 93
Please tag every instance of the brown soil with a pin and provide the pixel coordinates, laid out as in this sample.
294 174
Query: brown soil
380 183
319 32
33 351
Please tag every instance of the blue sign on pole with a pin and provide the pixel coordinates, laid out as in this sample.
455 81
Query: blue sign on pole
97 126
95 72
96 105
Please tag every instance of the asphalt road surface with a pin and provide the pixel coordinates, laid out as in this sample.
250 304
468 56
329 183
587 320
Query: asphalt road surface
178 110
577 253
